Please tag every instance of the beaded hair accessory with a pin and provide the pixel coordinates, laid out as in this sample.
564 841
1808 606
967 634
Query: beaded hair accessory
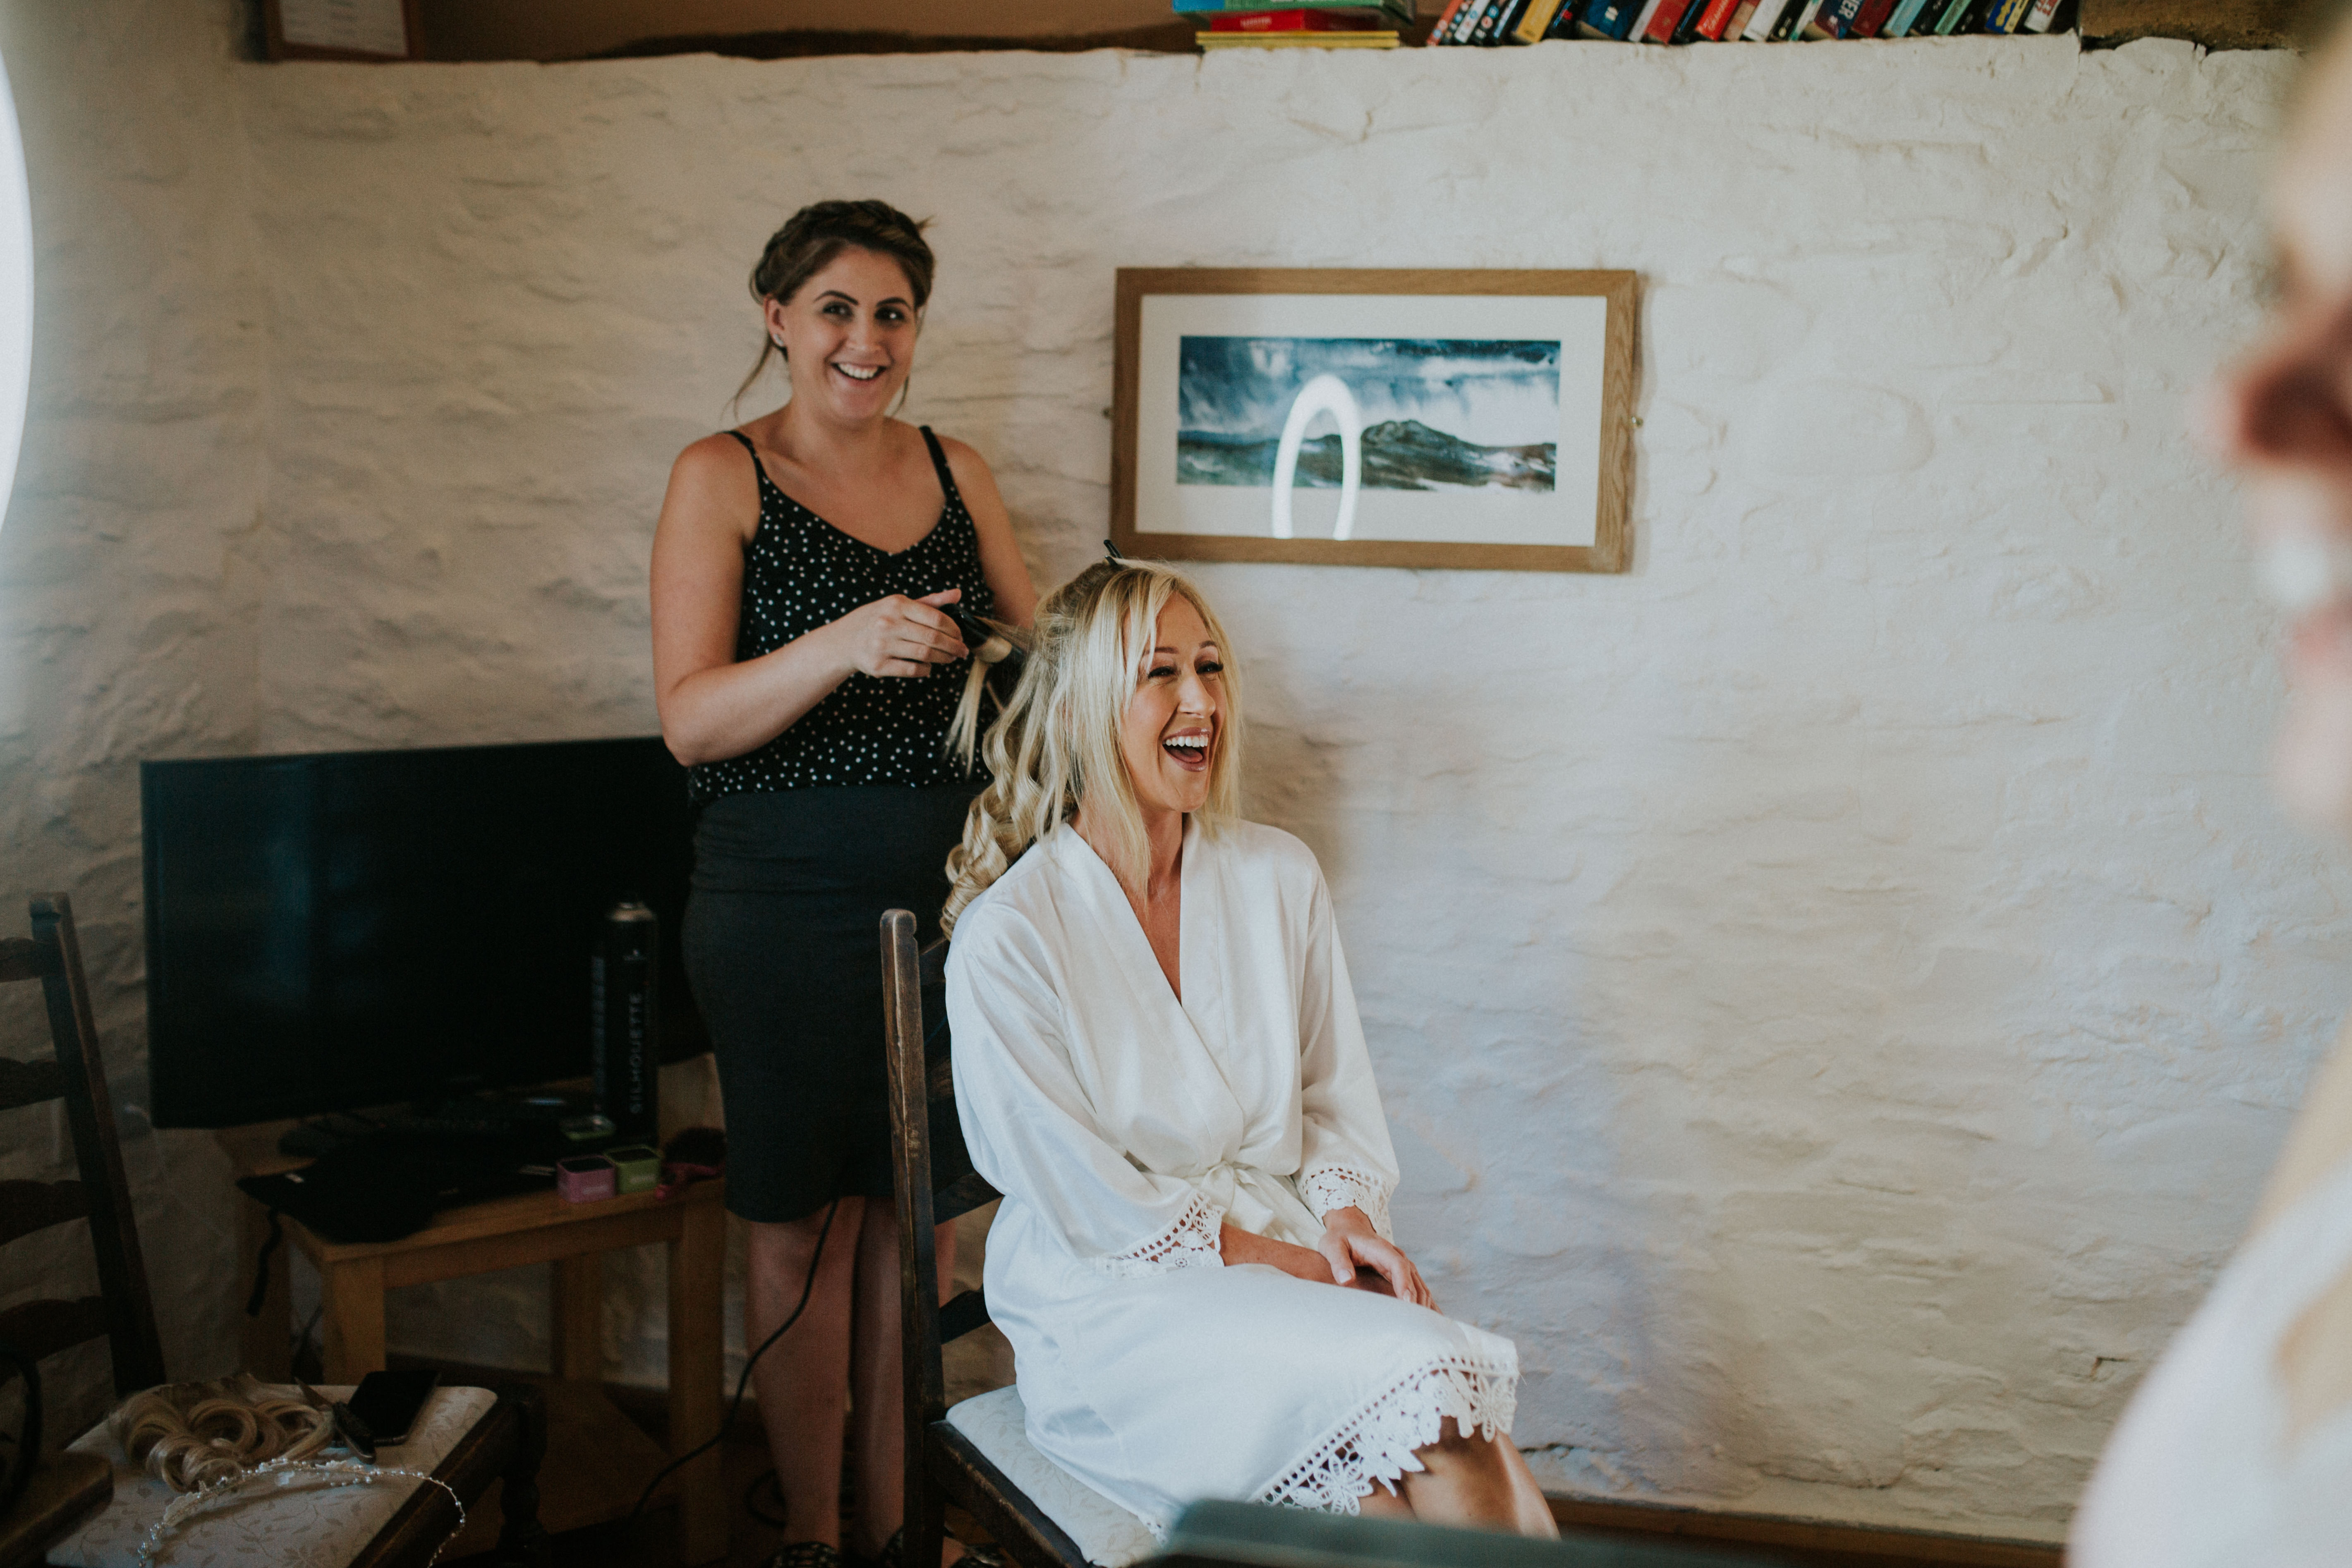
339 1473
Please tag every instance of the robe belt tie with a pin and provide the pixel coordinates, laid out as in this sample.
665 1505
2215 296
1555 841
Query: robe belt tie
1258 1201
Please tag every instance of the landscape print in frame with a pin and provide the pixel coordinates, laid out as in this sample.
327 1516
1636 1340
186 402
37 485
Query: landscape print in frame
1480 419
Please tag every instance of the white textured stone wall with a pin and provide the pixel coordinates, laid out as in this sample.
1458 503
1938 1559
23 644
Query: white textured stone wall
129 601
1837 987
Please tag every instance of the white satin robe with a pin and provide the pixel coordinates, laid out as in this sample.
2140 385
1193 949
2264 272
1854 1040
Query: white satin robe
1123 1127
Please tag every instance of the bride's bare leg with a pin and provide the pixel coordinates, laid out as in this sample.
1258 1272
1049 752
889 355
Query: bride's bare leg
1480 1483
1530 1514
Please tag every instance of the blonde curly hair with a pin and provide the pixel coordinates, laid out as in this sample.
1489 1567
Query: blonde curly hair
1056 741
189 1434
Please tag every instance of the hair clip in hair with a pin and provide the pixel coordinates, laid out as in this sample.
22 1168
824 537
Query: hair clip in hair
1110 552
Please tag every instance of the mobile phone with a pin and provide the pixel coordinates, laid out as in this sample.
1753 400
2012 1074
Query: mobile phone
387 1402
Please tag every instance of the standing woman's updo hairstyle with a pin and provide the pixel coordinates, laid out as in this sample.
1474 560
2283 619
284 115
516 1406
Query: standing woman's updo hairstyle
1056 741
814 235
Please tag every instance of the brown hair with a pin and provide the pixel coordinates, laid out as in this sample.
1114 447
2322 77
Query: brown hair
814 235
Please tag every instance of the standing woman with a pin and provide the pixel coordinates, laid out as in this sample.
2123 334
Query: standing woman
807 676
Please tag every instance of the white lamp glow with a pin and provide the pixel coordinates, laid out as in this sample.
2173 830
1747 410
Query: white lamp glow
16 291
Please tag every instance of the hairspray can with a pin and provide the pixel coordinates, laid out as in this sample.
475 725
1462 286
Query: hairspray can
623 1013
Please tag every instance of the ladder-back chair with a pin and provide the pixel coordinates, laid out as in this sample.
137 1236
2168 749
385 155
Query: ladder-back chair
977 1455
123 1312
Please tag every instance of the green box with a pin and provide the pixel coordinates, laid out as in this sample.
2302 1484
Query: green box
639 1167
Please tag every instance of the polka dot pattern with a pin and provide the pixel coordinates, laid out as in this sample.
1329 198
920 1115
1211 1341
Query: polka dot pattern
800 573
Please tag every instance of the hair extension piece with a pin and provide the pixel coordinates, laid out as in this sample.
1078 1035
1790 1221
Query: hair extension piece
189 1434
1056 743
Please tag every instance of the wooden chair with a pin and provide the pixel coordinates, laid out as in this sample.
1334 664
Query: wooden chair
976 1456
504 1445
123 1311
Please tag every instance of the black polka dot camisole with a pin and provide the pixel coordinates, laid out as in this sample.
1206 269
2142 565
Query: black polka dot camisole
800 573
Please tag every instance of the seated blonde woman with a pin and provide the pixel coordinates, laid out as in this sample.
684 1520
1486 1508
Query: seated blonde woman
1157 1061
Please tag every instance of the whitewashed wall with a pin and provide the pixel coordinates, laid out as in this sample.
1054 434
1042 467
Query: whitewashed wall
129 601
1837 987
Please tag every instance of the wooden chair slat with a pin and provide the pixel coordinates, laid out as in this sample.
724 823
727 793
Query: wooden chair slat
46 1327
968 1311
29 1083
22 957
29 1206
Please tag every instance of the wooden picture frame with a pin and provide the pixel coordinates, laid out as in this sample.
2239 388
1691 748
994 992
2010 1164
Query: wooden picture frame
277 47
1164 473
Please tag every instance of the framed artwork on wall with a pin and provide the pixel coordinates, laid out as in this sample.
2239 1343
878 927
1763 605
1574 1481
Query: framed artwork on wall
340 30
1479 419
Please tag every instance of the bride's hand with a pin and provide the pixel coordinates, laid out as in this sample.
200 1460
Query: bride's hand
1351 1243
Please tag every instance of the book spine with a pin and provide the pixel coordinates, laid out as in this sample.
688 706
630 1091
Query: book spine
1467 23
1506 22
1906 17
1872 17
1663 20
1444 23
1792 21
1569 24
1763 19
1716 20
2007 16
1948 21
1610 19
1688 29
1535 26
2044 13
1641 28
1810 22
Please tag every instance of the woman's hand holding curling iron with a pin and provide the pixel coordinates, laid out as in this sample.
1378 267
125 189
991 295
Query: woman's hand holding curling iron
899 635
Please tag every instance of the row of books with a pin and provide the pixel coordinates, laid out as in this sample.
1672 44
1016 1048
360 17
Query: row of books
1301 23
1493 22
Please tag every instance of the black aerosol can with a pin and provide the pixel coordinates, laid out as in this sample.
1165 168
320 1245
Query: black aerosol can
624 1011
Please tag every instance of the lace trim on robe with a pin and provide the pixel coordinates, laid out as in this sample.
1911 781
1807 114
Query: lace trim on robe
1329 1187
1190 1243
1375 1446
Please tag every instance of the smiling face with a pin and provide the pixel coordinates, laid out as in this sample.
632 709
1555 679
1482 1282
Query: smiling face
848 335
1168 736
2282 418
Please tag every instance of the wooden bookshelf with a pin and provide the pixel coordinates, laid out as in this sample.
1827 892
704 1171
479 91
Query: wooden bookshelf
2216 24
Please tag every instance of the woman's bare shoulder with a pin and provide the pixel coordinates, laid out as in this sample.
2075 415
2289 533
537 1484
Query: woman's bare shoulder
718 455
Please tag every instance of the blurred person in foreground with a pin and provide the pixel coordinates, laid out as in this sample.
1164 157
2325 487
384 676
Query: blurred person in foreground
2238 1448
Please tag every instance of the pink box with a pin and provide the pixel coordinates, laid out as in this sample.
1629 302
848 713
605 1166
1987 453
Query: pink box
586 1178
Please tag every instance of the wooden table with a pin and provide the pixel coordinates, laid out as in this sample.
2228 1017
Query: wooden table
507 1233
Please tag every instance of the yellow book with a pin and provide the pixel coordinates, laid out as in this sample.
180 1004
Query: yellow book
1380 40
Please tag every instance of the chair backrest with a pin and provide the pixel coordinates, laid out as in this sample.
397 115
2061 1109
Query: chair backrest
124 1312
922 1376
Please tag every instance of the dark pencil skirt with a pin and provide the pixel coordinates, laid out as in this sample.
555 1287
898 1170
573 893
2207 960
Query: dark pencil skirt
783 946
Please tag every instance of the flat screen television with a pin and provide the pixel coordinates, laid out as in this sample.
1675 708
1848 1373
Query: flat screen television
351 929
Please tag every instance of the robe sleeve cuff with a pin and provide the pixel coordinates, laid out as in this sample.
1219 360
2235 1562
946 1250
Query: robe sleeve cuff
1190 1243
1329 1187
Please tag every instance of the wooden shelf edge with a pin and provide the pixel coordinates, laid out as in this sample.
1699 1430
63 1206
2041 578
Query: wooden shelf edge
1575 1511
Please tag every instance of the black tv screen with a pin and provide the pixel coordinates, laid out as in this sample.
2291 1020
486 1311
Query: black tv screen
366 928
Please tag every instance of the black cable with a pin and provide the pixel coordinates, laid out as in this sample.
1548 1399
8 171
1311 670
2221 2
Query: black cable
775 1487
743 1384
